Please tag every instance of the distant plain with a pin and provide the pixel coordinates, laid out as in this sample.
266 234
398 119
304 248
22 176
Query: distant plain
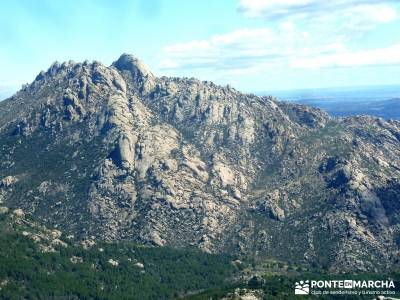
380 101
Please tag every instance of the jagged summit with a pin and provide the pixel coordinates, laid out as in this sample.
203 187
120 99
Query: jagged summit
115 153
125 63
129 62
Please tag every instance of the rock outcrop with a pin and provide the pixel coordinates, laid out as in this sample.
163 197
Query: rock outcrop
116 153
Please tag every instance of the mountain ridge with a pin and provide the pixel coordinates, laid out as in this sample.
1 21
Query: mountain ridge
119 154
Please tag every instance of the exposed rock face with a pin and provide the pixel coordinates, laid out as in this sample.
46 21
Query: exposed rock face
8 181
116 153
16 221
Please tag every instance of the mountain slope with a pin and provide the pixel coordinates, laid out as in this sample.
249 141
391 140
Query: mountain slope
115 153
39 263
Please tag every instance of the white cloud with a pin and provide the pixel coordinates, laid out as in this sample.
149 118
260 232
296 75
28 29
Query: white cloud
362 18
234 50
332 37
287 26
383 56
252 50
380 11
260 8
347 18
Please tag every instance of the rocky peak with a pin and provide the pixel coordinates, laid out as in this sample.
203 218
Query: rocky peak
136 73
128 62
57 68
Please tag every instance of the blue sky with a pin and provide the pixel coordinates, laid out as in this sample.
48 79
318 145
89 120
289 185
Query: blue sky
254 45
